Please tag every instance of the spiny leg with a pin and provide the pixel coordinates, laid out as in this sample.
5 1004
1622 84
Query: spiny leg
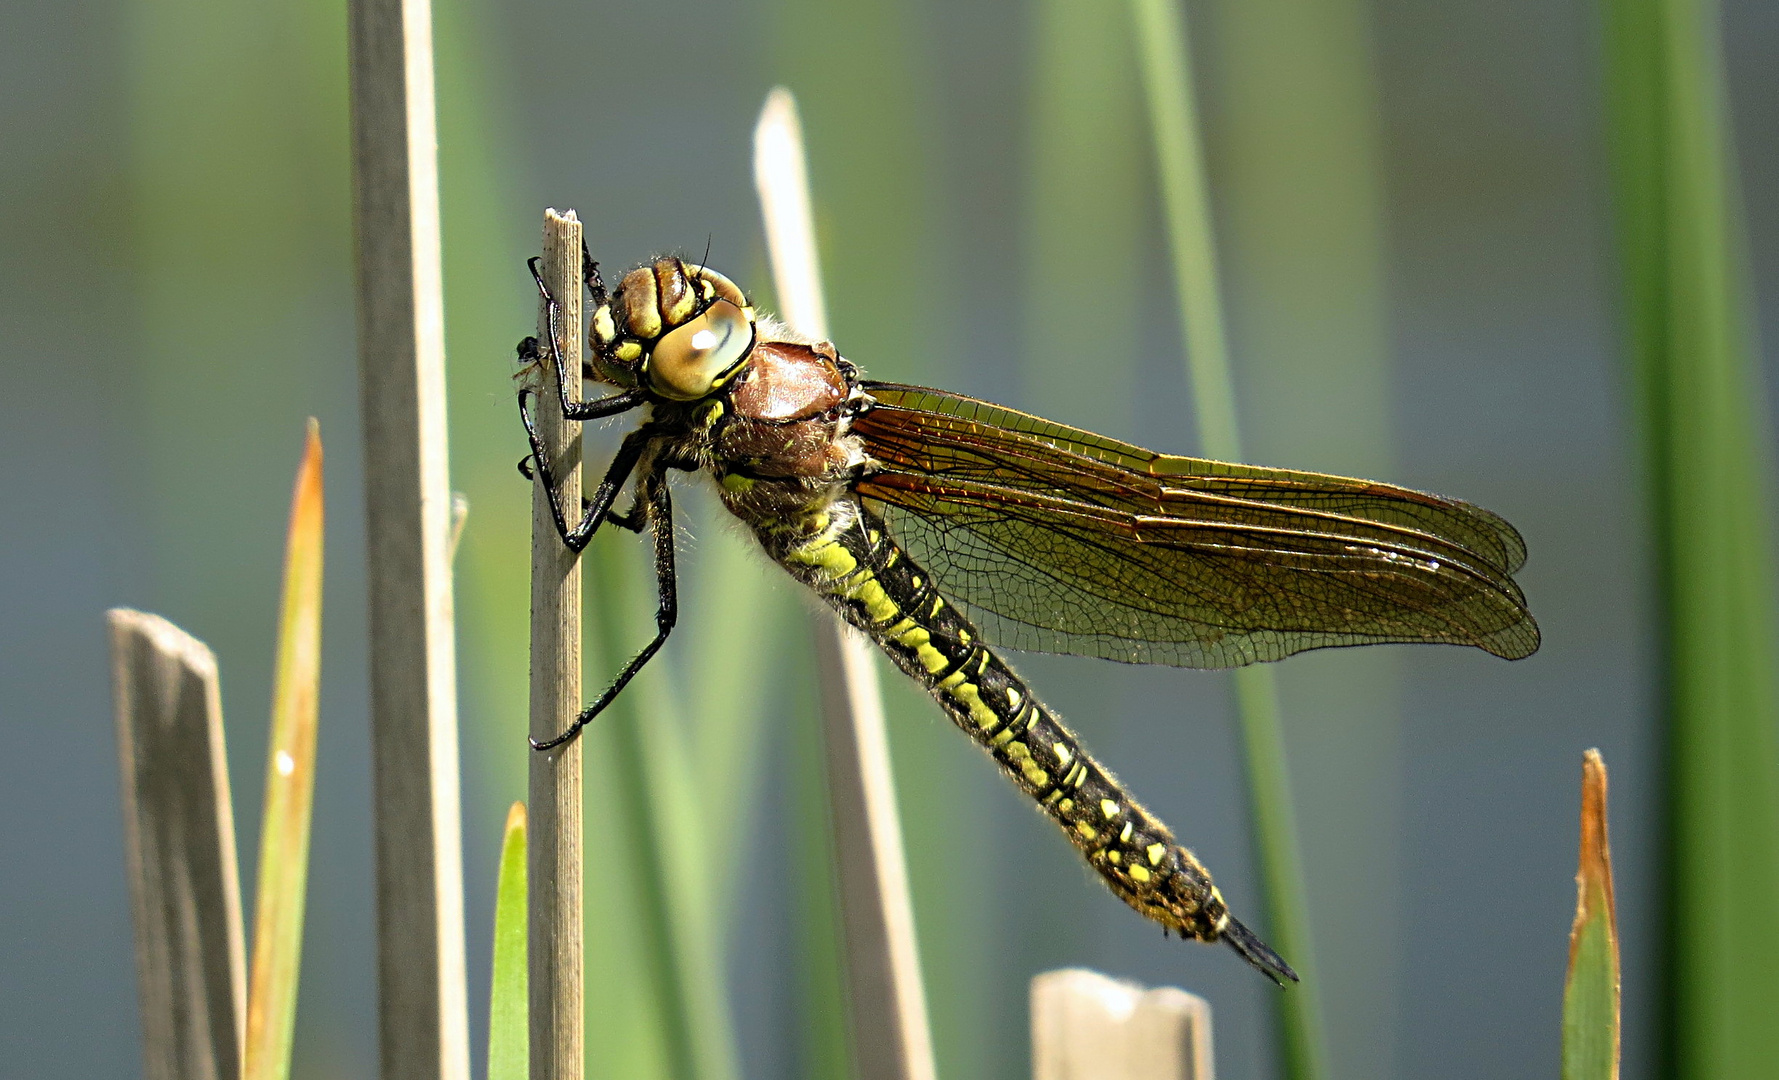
631 519
610 405
666 613
597 508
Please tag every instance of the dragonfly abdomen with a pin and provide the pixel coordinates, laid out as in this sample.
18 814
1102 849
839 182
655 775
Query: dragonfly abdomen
877 587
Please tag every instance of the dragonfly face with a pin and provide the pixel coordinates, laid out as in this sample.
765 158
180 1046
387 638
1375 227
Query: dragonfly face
679 330
945 528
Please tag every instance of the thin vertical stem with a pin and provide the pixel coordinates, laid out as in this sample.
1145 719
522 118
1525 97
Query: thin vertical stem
1707 444
891 1040
422 1001
1167 78
554 803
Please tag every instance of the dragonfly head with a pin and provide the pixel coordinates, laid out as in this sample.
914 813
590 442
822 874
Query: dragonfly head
679 329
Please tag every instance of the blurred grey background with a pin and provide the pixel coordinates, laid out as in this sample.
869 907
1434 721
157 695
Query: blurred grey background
1429 302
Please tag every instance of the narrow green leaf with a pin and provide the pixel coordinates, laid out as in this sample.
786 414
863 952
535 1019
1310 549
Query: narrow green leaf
290 785
1591 991
1707 449
1167 78
655 804
509 1043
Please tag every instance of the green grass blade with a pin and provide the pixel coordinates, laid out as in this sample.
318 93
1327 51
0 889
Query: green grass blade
866 99
509 1039
1591 990
1162 45
655 805
290 785
1706 450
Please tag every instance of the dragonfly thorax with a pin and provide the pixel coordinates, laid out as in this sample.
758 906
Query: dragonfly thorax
681 330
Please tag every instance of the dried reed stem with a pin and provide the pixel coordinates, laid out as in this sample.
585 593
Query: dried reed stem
553 854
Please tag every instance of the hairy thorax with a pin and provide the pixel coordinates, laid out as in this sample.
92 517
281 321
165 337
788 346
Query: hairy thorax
779 448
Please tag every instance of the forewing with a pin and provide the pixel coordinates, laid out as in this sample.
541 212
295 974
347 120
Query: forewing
1056 550
948 435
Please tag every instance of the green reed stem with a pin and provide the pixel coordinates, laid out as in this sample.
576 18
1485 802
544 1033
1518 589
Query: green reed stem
1167 80
1706 455
656 803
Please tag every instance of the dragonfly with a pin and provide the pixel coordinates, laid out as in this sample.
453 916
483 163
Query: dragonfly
946 528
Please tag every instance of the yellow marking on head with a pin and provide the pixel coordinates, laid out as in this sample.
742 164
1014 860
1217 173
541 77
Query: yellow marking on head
708 413
1088 832
971 695
1156 852
1061 751
1129 828
604 330
1109 807
1140 874
629 351
681 309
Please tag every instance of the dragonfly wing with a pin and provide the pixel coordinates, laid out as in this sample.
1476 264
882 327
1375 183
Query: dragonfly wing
1056 550
944 434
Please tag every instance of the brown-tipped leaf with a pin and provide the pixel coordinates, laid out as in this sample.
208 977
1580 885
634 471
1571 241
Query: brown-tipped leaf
1591 992
290 784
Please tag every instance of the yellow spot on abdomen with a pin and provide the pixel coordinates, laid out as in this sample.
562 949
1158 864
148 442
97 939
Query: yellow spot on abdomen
1156 851
971 696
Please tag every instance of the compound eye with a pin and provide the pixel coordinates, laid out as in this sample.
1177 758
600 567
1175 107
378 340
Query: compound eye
693 359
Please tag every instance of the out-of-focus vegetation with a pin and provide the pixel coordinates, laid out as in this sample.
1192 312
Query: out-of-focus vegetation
283 888
981 175
1707 457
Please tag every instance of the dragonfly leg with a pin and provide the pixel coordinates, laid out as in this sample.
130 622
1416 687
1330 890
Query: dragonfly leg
612 404
660 505
597 509
631 519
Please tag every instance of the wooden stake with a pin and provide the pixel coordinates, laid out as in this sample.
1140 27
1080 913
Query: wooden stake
423 1016
888 1012
553 856
179 832
1086 1026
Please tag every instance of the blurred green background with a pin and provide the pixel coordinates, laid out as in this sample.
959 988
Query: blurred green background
1416 245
